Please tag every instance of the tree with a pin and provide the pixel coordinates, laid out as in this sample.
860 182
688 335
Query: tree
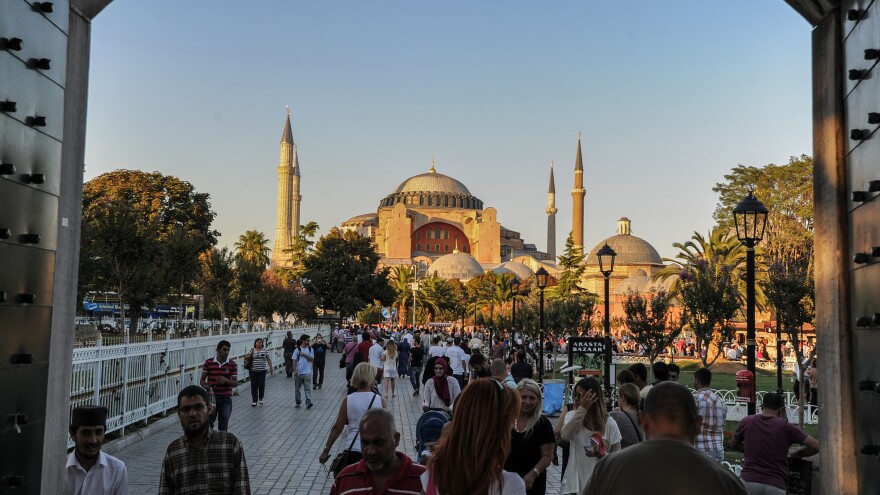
787 191
276 296
342 272
251 257
789 289
572 315
709 299
572 262
253 247
370 315
401 279
134 225
650 322
217 277
437 296
300 248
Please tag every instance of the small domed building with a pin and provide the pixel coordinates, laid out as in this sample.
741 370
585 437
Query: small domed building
457 265
636 262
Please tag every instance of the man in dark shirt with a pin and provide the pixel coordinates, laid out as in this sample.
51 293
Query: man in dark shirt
497 350
202 460
416 363
320 350
289 346
765 438
521 368
667 461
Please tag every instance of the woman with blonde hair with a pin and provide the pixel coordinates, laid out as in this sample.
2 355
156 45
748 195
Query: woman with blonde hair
627 415
471 453
531 440
389 357
590 433
353 407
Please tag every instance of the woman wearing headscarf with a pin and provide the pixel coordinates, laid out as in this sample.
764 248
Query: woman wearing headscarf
441 390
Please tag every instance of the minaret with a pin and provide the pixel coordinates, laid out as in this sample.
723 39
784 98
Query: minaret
287 220
551 217
577 196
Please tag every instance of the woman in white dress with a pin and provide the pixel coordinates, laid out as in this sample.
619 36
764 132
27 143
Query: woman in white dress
389 360
591 433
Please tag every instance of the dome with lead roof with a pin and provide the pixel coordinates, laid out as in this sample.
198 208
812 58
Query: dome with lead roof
456 265
432 190
631 250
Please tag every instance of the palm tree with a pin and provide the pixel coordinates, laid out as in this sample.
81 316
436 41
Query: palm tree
437 296
401 279
725 252
253 247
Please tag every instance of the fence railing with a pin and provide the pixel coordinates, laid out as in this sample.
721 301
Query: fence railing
136 379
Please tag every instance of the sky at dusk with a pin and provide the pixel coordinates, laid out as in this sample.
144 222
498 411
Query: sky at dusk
669 96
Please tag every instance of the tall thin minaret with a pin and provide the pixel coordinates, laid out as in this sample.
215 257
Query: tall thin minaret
577 196
287 221
551 217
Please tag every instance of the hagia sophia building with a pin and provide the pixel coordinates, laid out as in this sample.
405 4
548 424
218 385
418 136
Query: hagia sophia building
433 220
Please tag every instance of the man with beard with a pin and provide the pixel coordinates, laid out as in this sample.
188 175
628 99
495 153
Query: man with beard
88 469
382 469
202 460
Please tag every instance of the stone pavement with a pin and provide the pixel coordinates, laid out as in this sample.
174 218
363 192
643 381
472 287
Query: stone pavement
282 443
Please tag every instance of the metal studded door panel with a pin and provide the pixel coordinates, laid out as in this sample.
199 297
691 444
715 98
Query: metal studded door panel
33 67
861 97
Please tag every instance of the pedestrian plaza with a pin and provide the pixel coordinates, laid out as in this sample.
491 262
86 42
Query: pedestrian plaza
281 442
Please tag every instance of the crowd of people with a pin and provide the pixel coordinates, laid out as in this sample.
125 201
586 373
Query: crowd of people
495 437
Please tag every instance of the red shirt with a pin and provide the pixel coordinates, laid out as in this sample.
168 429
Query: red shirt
213 370
353 479
364 349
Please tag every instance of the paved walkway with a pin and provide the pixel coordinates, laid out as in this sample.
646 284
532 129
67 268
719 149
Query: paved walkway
282 443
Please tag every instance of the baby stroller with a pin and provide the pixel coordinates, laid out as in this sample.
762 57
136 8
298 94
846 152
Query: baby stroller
428 430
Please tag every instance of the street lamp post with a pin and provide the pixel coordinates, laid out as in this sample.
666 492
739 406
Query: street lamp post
415 286
541 281
515 286
778 359
606 257
750 217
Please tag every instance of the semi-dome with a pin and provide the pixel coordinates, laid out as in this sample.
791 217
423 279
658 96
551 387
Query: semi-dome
366 218
631 250
456 265
520 270
432 190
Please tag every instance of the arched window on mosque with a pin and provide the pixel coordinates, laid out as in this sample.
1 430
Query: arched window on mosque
419 236
427 247
418 247
446 248
437 247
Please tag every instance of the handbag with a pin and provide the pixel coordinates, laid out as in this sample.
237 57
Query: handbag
341 460
249 361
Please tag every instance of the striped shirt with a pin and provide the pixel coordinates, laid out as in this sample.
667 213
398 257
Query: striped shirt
714 411
218 467
213 370
259 360
356 479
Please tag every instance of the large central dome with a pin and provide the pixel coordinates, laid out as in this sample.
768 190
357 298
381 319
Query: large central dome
432 190
432 182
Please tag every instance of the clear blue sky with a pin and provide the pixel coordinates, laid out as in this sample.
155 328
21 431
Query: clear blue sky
669 95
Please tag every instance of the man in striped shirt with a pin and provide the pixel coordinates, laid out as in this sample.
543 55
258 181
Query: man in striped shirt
713 410
220 374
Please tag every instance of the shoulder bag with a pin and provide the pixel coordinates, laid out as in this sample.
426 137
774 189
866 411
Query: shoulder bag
341 460
249 361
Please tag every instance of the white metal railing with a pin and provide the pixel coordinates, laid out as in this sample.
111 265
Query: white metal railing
137 380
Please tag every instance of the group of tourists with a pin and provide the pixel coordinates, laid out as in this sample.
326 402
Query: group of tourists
496 438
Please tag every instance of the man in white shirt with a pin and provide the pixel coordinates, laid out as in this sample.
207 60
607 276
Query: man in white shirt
457 360
436 349
90 471
376 358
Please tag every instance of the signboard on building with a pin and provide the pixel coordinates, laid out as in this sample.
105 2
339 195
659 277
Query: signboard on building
589 354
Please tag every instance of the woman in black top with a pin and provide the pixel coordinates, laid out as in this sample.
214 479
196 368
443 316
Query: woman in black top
416 358
532 441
